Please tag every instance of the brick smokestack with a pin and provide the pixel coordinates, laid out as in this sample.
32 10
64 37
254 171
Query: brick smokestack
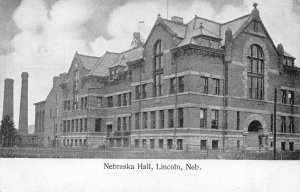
8 101
23 118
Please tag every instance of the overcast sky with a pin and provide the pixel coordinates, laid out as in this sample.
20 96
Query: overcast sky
42 36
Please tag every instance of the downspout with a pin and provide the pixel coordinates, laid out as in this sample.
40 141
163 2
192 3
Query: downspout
175 123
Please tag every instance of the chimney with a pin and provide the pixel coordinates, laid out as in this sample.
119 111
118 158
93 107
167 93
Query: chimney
55 78
177 19
8 100
23 118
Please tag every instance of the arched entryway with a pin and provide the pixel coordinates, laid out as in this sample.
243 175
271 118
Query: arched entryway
255 128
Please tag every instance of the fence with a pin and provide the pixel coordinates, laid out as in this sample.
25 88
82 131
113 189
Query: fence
131 153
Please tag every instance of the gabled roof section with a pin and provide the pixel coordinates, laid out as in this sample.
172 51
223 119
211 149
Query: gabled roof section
100 68
176 27
88 61
126 56
288 55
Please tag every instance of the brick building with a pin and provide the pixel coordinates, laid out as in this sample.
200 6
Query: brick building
194 85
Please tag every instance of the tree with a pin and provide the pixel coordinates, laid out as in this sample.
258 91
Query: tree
8 132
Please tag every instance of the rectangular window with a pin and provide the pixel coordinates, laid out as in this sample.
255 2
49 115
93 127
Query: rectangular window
214 119
119 124
153 119
180 117
204 85
170 143
98 125
129 98
85 102
238 145
291 97
99 102
137 92
172 85
144 94
256 87
255 28
118 143
161 119
203 144
119 100
291 146
124 99
216 86
81 125
129 122
171 118
179 144
76 125
160 143
124 123
72 126
110 101
237 120
137 121
283 124
85 124
136 143
81 103
145 117
283 96
144 141
181 84
157 88
291 125
152 143
203 118
283 146
215 144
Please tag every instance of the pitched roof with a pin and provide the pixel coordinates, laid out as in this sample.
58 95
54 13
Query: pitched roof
176 27
88 61
288 55
125 56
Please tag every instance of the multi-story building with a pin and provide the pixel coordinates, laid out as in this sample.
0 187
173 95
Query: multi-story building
194 85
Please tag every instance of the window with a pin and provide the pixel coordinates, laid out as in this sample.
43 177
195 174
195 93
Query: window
283 124
157 88
238 145
283 146
153 119
216 86
256 73
85 102
76 125
255 26
215 144
118 143
152 143
85 124
181 84
119 100
124 123
180 117
119 124
283 96
170 143
214 119
137 92
69 105
124 99
179 144
144 94
81 103
161 119
158 54
72 126
97 125
110 101
237 120
144 141
56 113
291 97
203 144
81 125
137 121
203 118
136 143
291 146
204 85
171 118
144 120
129 122
76 80
291 125
160 143
129 98
99 102
172 85
75 102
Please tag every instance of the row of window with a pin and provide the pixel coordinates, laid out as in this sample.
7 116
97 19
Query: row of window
123 122
122 100
160 142
74 142
75 125
287 97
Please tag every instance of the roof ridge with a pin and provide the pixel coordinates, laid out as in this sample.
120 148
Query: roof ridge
87 55
235 19
174 22
130 50
197 17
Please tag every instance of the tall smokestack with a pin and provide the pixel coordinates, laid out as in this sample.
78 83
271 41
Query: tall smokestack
23 118
8 101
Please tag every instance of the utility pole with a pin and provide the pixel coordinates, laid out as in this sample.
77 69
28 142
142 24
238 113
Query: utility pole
274 129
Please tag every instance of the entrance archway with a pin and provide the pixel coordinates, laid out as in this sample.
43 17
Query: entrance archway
254 126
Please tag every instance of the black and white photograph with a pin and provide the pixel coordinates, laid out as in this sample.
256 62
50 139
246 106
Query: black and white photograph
160 90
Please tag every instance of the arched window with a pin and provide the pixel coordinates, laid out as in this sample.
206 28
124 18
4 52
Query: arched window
256 73
157 68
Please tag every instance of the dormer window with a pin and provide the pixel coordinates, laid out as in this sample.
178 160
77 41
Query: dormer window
289 62
112 74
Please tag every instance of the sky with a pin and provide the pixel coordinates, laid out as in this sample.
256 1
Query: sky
42 36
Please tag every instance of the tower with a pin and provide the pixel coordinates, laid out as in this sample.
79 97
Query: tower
8 101
23 118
